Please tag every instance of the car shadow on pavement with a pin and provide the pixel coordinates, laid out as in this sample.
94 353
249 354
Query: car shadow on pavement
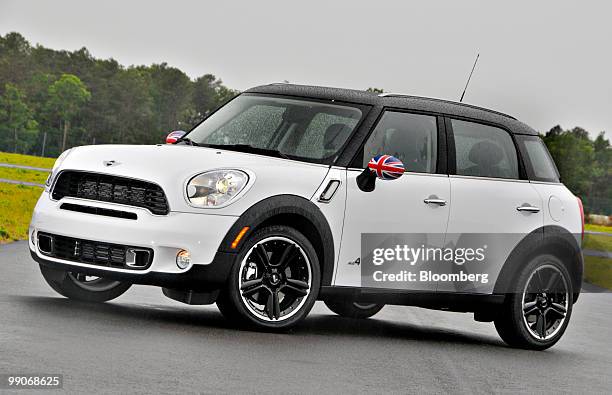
134 316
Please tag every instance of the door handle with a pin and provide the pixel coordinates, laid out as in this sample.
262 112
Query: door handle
435 200
528 208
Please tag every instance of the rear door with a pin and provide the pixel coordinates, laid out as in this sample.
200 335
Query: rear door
397 206
492 199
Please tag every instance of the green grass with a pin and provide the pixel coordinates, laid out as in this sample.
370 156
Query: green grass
16 205
597 242
38 177
26 160
598 271
598 228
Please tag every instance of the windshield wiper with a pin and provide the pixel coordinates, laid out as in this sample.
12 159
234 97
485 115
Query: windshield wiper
249 149
188 141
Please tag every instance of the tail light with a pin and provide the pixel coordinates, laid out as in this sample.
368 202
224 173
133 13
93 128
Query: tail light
581 215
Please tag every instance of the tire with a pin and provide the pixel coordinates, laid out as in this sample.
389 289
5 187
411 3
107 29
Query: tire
260 272
354 309
76 286
536 296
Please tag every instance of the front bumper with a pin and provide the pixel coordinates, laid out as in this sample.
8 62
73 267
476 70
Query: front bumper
197 278
200 234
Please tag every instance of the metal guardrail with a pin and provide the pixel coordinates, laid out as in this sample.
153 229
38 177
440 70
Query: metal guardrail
26 183
12 166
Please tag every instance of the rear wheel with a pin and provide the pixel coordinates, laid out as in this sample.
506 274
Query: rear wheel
82 287
274 281
354 309
537 317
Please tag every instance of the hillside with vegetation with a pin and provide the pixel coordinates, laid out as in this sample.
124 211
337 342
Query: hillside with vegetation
61 99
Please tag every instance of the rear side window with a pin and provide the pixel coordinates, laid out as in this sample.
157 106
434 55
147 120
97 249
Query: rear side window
484 151
412 138
540 164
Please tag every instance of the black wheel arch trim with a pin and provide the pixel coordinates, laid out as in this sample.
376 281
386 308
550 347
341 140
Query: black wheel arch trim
550 239
286 210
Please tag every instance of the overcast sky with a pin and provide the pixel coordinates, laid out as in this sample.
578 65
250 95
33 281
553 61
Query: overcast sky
545 62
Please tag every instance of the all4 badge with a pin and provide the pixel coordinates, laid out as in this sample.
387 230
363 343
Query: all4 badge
355 262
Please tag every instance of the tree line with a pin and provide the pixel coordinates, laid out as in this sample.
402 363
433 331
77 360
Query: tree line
51 100
61 99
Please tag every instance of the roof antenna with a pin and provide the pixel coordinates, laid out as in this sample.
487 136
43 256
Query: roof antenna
469 78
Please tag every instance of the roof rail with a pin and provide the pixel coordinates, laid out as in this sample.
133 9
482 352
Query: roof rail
390 94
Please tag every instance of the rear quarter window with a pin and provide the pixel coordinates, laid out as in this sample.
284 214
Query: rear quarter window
540 165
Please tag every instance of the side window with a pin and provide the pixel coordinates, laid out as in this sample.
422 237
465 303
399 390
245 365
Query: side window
484 151
412 138
541 164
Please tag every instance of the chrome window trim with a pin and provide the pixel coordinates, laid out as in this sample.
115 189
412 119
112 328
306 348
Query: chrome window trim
488 178
546 182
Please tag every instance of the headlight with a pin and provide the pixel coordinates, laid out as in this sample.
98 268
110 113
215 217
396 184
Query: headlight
215 188
55 170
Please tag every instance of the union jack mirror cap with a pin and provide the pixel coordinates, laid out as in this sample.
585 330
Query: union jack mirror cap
386 167
173 137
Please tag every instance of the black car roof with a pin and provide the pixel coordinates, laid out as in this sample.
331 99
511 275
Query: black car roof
402 101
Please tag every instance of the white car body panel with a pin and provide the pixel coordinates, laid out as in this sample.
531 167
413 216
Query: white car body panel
334 209
560 206
393 207
489 206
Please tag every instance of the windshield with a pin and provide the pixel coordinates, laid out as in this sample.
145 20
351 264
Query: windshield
292 128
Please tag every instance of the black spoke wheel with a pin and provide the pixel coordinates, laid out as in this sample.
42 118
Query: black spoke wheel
83 287
537 314
275 279
545 302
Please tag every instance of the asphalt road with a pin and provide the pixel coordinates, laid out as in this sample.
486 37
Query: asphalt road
143 343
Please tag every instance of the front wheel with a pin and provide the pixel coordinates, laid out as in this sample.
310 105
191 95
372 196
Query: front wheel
82 287
354 309
536 315
274 281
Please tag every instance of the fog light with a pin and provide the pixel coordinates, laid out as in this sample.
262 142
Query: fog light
183 259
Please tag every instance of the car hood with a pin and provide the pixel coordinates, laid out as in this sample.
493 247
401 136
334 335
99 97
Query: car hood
171 166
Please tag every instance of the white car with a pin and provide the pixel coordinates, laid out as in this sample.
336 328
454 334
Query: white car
262 207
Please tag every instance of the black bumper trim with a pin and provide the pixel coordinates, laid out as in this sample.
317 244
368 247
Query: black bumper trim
198 278
452 301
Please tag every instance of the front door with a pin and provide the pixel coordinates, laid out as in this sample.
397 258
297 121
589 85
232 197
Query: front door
417 202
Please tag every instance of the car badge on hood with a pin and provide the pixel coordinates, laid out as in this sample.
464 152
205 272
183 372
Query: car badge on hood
109 163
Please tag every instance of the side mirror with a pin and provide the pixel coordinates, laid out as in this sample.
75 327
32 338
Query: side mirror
383 167
173 137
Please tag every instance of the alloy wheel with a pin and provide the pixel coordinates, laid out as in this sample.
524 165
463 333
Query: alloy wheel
545 302
275 278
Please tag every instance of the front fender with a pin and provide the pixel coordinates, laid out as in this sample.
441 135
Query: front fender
290 210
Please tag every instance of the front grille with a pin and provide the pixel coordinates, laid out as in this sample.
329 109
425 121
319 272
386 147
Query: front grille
94 252
107 188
